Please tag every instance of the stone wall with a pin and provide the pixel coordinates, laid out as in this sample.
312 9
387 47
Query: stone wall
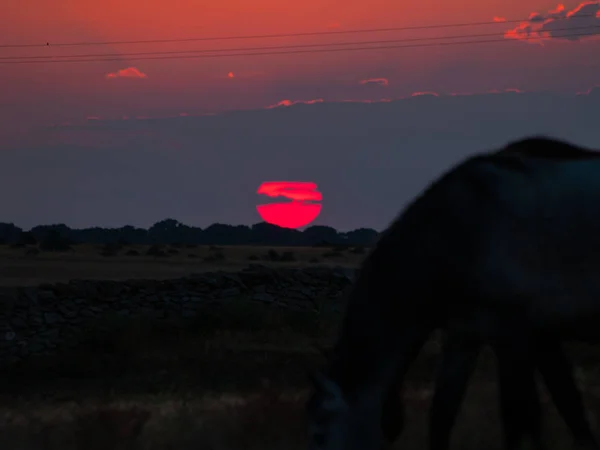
47 318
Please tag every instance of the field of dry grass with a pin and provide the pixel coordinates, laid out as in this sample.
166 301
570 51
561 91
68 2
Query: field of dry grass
27 266
238 382
234 378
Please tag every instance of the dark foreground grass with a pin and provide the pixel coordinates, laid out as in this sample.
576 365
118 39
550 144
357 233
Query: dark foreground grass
232 378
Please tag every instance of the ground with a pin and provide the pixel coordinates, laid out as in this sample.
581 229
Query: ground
241 385
20 266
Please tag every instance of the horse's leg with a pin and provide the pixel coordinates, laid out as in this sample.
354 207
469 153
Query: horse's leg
519 400
554 368
392 417
458 362
557 373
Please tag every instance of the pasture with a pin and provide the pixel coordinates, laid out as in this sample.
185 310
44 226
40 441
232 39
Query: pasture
241 385
27 265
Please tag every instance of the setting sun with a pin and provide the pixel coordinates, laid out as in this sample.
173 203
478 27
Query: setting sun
295 214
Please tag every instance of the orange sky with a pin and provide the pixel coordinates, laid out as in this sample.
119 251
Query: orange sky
65 91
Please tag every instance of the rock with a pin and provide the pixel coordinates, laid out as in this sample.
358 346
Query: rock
50 318
45 319
230 292
263 297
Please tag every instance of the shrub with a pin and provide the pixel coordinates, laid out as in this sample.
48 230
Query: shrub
273 255
332 254
219 256
54 242
156 250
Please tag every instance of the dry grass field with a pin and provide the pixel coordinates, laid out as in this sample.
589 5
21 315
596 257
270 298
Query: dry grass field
237 388
27 266
233 379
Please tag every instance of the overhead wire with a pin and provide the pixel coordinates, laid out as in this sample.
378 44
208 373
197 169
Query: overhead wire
284 35
277 47
176 55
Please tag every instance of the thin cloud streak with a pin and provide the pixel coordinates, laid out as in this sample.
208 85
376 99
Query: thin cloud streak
129 72
378 81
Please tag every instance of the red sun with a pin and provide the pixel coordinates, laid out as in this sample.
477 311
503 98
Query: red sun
295 214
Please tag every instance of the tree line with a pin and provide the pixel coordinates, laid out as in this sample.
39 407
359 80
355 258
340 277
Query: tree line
171 231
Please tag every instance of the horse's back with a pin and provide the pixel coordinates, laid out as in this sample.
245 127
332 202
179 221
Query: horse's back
517 226
548 148
541 246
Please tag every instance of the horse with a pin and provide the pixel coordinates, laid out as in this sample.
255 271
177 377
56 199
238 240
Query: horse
500 250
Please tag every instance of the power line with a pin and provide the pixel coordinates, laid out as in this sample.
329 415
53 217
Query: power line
282 35
442 44
295 51
280 47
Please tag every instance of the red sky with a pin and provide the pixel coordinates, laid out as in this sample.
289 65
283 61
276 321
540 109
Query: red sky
35 94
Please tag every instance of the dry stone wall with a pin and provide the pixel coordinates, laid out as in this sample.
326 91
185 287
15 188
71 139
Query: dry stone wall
44 319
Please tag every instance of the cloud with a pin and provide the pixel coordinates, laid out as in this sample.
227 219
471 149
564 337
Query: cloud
378 81
594 89
559 23
245 74
505 91
334 26
295 102
129 72
499 19
420 93
381 100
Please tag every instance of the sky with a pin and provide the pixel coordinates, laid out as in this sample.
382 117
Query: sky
123 122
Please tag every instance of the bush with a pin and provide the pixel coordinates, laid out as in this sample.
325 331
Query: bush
219 256
156 250
332 254
54 242
273 255
27 238
287 257
111 249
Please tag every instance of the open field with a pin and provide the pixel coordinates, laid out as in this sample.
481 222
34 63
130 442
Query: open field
240 384
230 379
27 266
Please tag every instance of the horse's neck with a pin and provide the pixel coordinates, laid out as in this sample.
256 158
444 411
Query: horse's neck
376 344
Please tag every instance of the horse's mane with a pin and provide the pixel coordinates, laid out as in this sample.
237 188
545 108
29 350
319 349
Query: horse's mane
549 148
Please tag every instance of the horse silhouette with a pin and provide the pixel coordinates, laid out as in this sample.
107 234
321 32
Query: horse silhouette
501 250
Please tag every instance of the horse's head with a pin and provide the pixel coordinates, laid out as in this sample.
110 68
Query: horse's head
338 421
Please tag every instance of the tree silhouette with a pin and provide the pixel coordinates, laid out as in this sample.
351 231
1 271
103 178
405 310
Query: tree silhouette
173 232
